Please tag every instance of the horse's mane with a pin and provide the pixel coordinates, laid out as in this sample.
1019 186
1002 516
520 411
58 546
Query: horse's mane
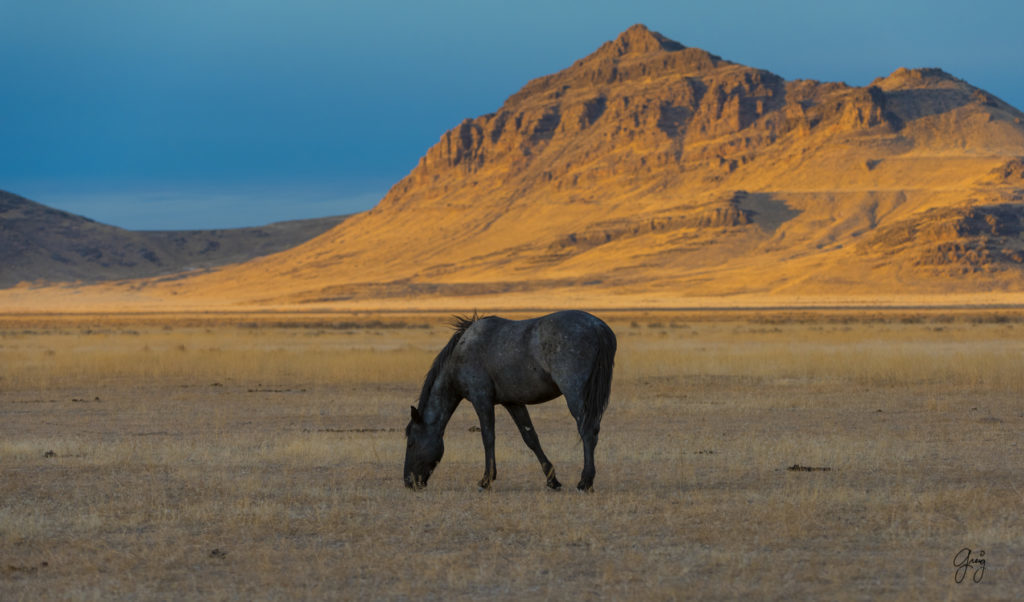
460 324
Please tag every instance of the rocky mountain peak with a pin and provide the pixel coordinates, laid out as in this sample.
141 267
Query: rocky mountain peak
639 40
927 77
633 155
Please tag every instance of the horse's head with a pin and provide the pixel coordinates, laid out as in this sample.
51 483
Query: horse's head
423 451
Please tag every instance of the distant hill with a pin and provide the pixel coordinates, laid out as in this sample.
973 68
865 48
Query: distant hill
650 168
41 244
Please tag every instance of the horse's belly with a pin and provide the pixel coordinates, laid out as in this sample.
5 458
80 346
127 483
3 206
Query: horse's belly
526 391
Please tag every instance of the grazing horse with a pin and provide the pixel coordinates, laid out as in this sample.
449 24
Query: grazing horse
514 363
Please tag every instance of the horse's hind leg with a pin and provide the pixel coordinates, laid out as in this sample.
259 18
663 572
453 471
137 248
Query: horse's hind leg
589 442
521 416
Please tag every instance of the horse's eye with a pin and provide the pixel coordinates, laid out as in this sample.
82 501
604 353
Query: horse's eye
408 443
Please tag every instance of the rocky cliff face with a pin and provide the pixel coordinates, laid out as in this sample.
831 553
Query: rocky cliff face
648 165
643 107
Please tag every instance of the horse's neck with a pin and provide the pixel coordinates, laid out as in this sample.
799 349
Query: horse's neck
441 404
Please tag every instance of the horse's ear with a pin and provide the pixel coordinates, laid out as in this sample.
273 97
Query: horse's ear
415 414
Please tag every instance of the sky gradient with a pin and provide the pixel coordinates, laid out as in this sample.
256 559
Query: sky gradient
224 113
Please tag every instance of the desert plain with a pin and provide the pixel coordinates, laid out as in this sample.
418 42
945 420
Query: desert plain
766 454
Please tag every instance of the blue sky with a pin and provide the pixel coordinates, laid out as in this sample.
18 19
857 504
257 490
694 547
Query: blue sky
160 114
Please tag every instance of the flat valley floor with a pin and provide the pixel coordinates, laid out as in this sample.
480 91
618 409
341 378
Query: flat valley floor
763 454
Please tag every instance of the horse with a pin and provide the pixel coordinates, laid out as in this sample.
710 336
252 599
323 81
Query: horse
514 363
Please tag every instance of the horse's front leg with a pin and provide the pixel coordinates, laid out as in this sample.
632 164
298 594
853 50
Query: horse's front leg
521 416
485 411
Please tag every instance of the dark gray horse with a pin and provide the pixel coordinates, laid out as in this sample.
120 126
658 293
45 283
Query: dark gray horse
492 361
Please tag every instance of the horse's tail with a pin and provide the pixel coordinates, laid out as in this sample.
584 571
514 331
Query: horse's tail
599 384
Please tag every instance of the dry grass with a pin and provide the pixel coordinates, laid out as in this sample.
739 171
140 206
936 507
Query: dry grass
259 457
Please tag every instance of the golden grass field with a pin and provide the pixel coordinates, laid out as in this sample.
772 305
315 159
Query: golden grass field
221 456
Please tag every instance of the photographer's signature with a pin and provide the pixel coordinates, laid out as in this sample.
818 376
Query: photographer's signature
965 561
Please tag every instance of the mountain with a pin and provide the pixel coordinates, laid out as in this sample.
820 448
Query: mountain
42 244
650 168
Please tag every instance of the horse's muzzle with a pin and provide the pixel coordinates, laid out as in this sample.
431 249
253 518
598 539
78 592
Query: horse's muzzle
415 481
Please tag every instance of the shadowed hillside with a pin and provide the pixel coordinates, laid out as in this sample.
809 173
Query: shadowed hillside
41 244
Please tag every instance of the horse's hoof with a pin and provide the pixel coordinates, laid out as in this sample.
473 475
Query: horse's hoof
585 487
554 484
484 485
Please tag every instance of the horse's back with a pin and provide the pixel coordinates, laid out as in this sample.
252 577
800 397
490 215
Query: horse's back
579 325
549 339
534 360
